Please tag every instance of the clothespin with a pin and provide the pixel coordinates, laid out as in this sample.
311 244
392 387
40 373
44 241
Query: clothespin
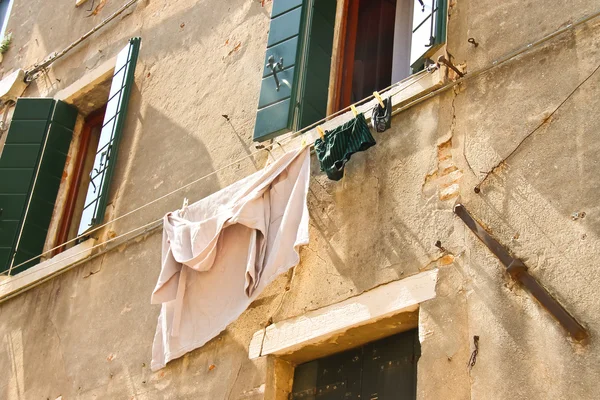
280 146
379 99
184 205
354 110
271 154
321 133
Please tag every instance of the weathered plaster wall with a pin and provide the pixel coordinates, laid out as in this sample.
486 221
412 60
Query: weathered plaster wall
88 333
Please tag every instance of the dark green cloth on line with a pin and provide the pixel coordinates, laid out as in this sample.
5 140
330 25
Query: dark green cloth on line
339 144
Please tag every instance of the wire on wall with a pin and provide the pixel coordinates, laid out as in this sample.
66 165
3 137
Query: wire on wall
32 72
496 63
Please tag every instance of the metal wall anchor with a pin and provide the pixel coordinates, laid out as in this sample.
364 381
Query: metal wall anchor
430 65
472 41
518 271
442 60
274 67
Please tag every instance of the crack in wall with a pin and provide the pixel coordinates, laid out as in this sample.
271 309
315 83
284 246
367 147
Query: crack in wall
545 122
60 347
237 375
444 179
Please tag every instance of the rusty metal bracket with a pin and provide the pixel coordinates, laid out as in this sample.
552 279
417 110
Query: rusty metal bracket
448 63
518 271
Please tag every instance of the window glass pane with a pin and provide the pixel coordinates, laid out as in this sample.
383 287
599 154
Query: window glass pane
423 28
87 215
419 43
112 107
5 6
120 73
421 12
106 154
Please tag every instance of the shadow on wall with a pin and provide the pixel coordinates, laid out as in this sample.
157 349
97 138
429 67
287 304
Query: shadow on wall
372 221
157 157
83 336
164 153
168 39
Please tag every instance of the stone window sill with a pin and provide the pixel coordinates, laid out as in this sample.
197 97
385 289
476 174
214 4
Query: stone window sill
414 87
320 332
11 286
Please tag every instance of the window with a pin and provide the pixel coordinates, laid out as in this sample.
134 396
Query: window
33 161
381 42
84 163
110 135
382 370
5 7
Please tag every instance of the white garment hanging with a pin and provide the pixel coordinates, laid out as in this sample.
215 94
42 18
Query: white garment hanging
224 250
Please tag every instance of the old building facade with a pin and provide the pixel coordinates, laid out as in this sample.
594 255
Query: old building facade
511 135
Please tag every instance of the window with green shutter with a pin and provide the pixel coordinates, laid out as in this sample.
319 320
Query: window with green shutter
33 161
31 168
108 146
381 42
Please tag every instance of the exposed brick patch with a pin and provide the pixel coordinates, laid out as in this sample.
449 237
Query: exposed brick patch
446 176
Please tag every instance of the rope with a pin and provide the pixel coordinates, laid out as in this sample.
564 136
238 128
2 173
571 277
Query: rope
25 274
496 63
267 147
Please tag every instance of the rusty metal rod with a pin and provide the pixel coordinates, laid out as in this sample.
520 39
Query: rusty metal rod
518 271
448 63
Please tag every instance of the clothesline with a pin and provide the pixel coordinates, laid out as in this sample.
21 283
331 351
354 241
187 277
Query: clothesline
266 147
496 63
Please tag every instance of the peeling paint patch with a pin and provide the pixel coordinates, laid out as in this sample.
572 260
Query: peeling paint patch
235 48
446 260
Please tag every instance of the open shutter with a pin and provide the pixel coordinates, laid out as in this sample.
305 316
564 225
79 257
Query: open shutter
275 106
31 169
108 146
429 30
317 63
299 51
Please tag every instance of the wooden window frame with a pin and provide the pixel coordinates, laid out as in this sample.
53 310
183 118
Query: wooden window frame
92 121
344 45
342 63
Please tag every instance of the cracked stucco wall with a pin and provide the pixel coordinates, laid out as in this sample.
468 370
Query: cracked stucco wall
88 333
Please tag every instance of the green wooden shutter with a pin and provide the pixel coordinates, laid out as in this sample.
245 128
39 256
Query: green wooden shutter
315 71
301 33
38 140
275 107
112 128
429 30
